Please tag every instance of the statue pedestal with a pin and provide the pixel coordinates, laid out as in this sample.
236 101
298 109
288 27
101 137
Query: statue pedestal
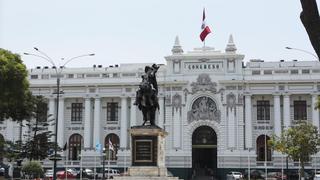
148 154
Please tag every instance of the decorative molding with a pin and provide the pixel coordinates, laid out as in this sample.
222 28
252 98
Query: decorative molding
204 108
203 84
231 100
176 101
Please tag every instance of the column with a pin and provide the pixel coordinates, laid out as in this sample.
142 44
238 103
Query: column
52 117
123 123
161 113
60 132
315 112
97 121
277 115
87 124
133 113
286 111
176 118
248 121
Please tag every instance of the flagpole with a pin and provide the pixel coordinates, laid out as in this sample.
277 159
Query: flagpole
66 167
81 155
95 166
108 163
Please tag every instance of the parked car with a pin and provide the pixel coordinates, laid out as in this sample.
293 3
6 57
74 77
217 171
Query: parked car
73 171
2 171
48 175
277 175
234 175
65 174
295 175
87 173
255 174
317 175
109 173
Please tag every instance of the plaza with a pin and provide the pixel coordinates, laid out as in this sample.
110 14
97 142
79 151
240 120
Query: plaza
218 111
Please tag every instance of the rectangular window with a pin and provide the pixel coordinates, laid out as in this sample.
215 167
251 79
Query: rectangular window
263 110
80 75
256 72
45 76
305 71
267 72
300 110
42 112
112 111
76 112
34 76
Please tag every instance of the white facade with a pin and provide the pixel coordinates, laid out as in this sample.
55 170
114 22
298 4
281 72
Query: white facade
218 78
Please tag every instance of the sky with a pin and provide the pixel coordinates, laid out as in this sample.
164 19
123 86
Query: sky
140 31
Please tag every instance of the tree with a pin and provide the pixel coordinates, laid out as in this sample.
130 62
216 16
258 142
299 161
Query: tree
2 148
11 150
298 142
15 95
32 169
38 144
311 21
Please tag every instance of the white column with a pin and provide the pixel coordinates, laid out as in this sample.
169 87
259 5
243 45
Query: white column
123 123
161 113
277 115
231 127
248 121
315 112
87 123
97 121
60 137
52 117
286 111
176 127
133 113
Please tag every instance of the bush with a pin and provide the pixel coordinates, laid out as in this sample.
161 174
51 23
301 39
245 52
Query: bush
33 169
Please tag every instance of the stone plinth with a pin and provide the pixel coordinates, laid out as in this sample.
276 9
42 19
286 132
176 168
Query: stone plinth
147 144
148 154
144 178
147 171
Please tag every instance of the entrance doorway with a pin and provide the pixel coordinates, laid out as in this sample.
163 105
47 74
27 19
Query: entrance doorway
204 151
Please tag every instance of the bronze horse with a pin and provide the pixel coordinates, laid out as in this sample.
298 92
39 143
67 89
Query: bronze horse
146 98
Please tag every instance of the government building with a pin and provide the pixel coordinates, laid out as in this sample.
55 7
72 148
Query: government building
218 111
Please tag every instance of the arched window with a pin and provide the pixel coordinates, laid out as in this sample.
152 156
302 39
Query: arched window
75 143
262 142
111 155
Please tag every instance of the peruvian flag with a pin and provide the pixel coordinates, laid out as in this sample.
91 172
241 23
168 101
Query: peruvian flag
205 29
111 146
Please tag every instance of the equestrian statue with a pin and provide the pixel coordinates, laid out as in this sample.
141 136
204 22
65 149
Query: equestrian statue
147 94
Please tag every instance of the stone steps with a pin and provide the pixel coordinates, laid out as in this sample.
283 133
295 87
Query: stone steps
145 178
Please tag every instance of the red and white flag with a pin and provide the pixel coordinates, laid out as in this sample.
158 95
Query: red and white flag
111 146
205 30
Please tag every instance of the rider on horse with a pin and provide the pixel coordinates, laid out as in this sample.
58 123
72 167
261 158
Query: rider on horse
146 97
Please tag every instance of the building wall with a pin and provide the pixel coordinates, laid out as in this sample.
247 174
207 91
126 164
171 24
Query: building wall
185 78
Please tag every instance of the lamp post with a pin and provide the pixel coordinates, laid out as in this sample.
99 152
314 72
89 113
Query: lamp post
249 173
125 161
58 74
301 50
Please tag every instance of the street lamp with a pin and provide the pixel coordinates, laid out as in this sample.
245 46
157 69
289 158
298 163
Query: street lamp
125 161
301 50
58 74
